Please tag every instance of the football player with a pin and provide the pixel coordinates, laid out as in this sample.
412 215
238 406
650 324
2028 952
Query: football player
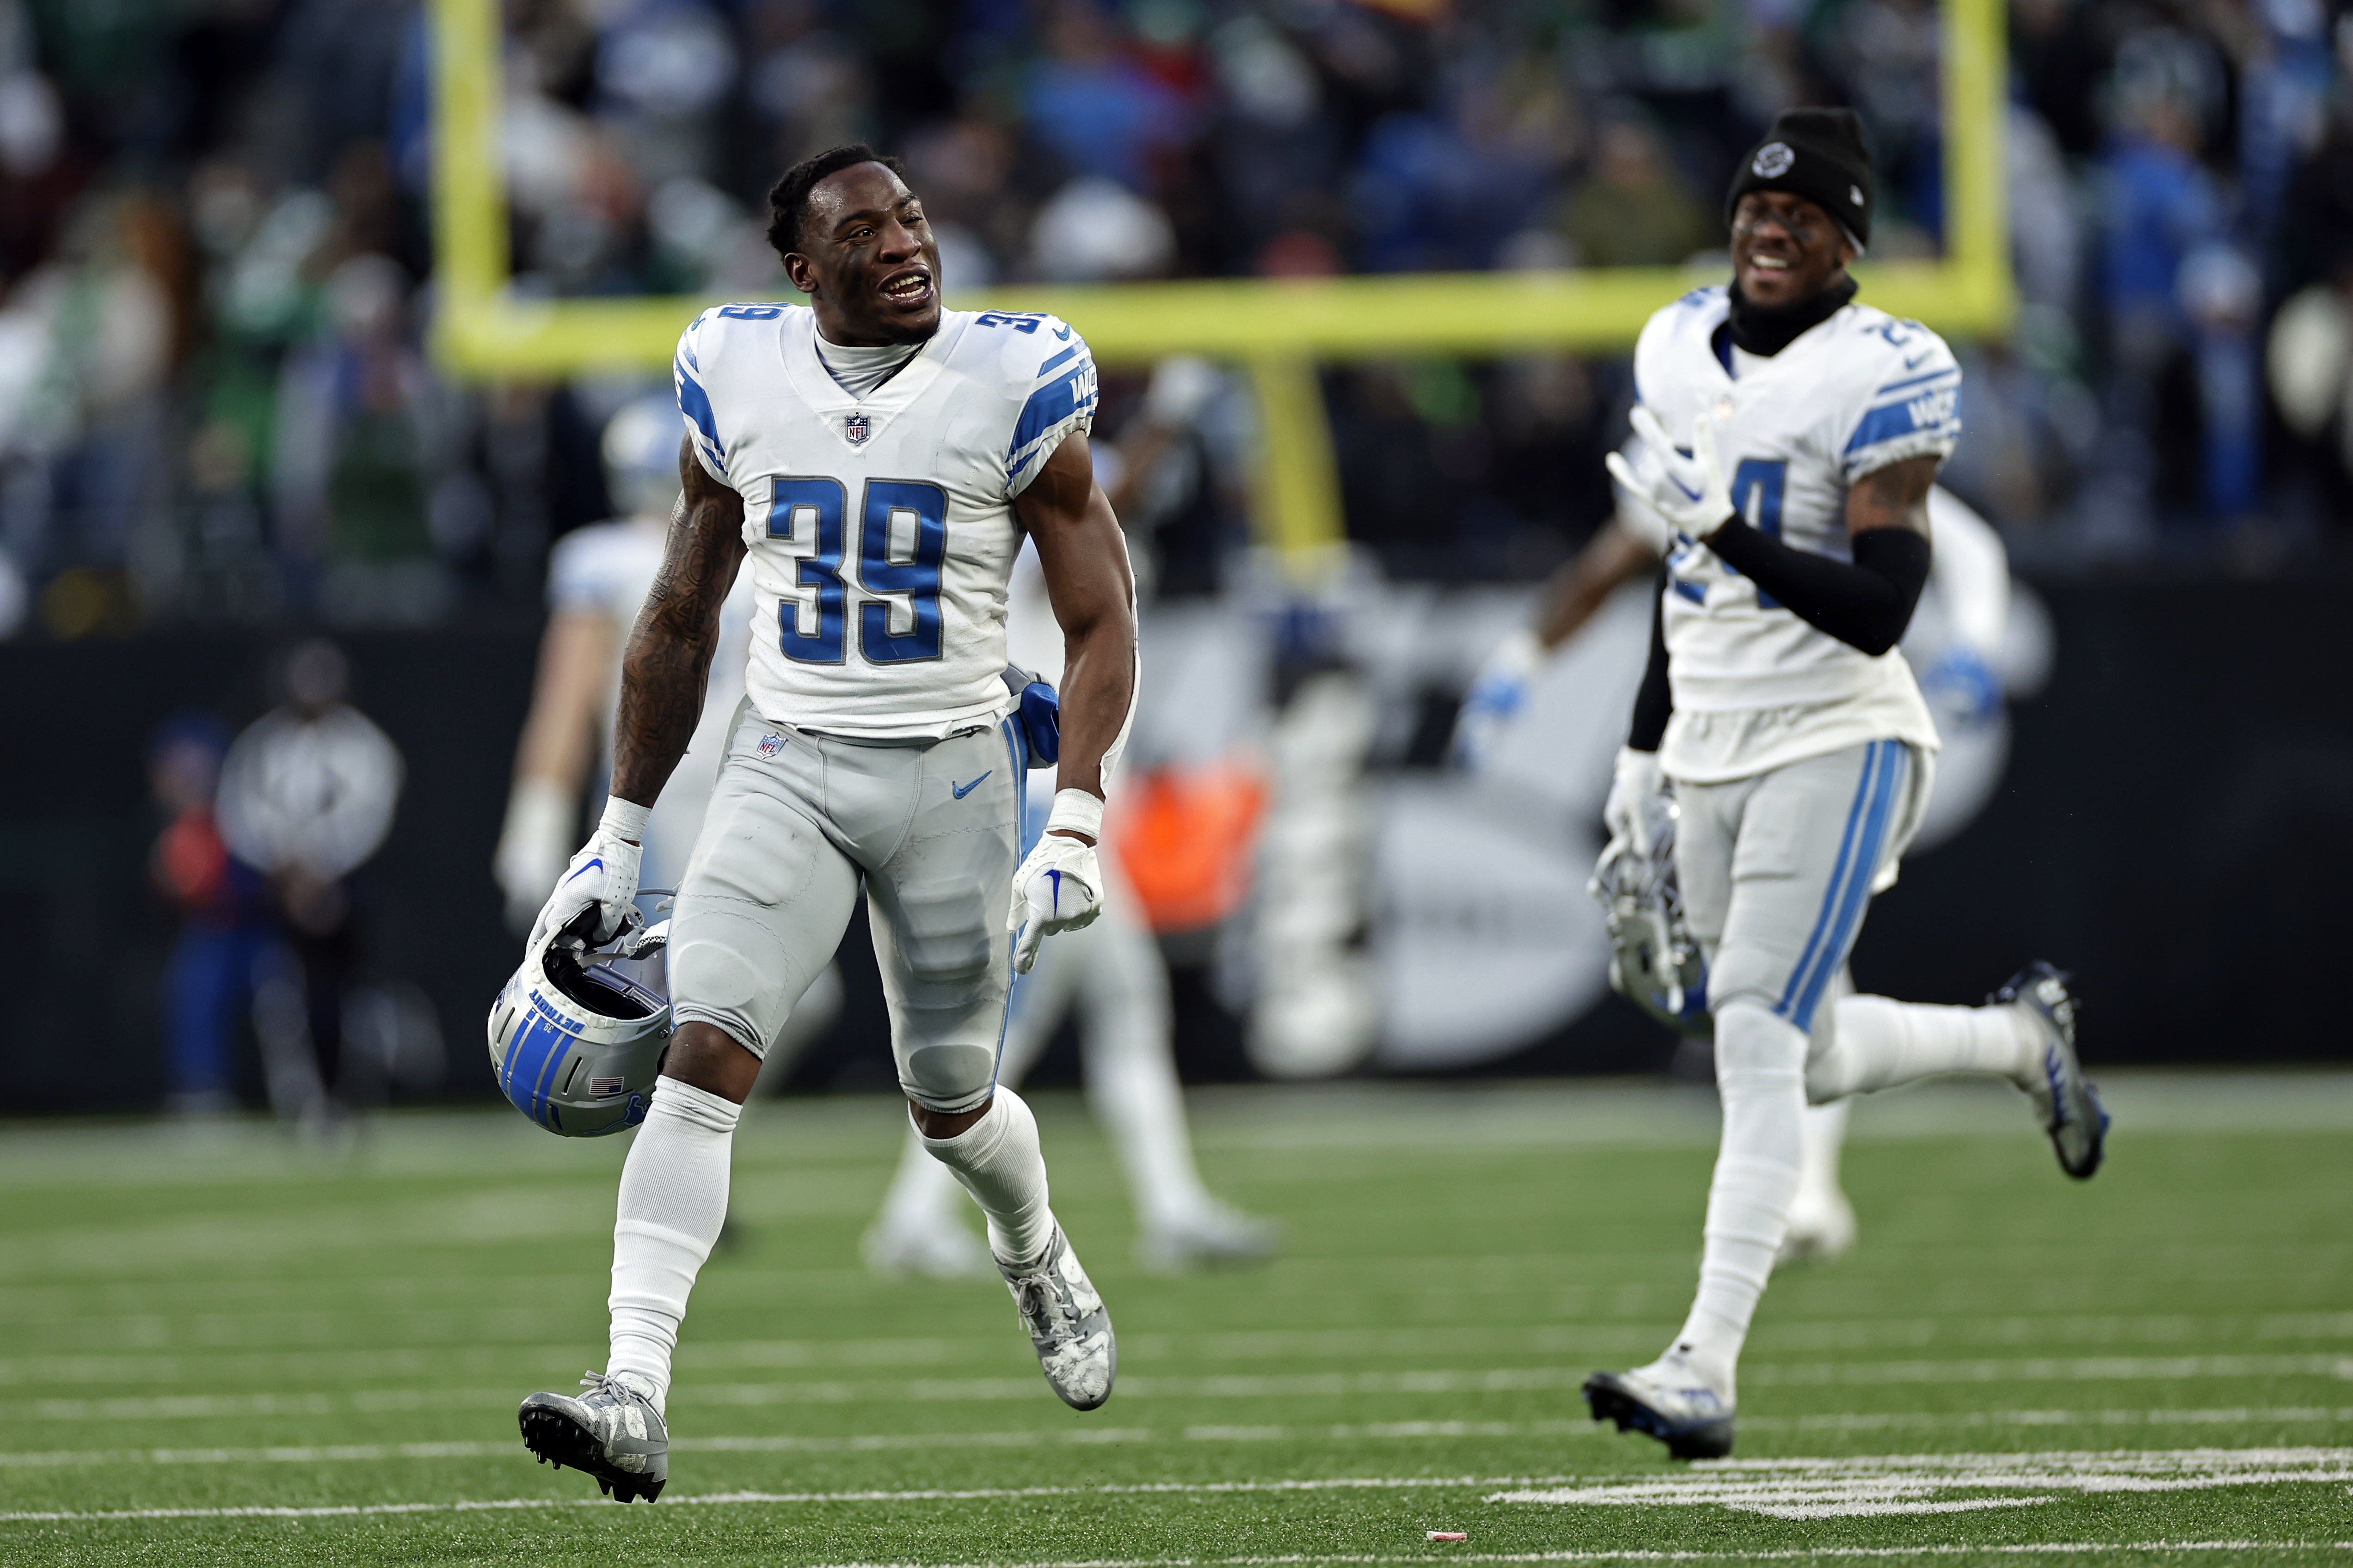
876 460
598 577
1959 648
1789 436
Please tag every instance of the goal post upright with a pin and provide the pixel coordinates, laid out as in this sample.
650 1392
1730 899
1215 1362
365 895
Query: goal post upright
1277 331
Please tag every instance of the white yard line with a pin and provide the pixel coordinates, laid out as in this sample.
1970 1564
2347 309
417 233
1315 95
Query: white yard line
1786 1489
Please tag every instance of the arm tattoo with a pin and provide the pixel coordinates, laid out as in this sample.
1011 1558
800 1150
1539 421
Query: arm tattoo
1893 497
668 661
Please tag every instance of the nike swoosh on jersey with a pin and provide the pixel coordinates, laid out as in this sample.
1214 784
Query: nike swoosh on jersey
960 791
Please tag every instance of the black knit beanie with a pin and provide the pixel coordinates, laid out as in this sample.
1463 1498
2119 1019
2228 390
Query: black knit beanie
1817 153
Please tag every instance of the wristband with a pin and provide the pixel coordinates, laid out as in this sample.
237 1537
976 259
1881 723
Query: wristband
624 819
1077 811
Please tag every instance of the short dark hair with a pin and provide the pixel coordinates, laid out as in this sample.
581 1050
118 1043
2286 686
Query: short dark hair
789 197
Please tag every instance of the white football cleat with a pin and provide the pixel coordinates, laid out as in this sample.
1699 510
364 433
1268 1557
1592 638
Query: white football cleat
2064 1100
935 1250
1211 1237
1821 1228
1668 1400
1067 1323
613 1432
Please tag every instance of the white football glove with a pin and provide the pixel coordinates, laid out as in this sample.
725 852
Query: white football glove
604 875
1635 786
1060 886
541 817
1496 696
1691 493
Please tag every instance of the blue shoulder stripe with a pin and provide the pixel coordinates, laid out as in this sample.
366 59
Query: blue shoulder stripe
695 403
1063 358
1904 418
1048 407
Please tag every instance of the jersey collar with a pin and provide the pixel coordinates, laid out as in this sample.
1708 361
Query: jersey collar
830 401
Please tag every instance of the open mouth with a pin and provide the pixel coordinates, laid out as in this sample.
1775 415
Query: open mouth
910 287
1770 263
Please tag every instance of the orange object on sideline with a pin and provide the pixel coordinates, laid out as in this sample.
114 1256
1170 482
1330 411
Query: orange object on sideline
1185 836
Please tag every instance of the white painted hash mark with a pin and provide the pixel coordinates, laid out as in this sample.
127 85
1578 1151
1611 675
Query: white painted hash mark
1924 1483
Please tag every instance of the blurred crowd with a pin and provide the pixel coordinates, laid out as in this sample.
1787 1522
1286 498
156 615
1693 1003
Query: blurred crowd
215 406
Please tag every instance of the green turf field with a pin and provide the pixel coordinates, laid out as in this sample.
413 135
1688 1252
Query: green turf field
222 1348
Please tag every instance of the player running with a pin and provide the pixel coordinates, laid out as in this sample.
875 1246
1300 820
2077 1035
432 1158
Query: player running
877 460
1955 638
1789 438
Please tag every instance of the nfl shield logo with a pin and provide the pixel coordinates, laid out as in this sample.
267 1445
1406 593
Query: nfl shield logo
857 427
771 744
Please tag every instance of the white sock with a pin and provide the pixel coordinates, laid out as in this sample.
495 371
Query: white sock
673 1201
1822 1135
1130 1077
1760 1075
999 1163
1880 1044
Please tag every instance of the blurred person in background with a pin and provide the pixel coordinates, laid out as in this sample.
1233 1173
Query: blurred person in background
597 578
1635 209
306 799
208 979
2163 213
1955 638
1787 439
356 449
1111 973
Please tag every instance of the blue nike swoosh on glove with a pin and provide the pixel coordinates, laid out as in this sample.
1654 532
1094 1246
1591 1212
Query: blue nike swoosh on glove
1057 875
1688 494
960 791
592 866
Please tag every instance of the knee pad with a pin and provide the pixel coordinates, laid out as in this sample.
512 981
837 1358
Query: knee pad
948 1077
729 971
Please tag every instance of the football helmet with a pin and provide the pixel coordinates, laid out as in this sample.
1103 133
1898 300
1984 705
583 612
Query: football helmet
1655 959
575 1042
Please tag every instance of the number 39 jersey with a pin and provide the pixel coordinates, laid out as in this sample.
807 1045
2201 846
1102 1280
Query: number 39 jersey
879 529
1754 686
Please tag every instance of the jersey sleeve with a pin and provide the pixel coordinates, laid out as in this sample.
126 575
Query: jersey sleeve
1913 408
1060 398
694 396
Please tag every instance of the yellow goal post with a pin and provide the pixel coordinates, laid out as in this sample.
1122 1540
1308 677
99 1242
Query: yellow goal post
1275 331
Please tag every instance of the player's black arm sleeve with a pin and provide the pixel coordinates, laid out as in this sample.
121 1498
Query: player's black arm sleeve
1865 605
1656 699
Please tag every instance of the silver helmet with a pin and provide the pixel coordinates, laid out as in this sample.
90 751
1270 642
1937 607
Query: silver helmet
575 1042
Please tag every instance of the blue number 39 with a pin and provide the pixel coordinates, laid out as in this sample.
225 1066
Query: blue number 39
886 570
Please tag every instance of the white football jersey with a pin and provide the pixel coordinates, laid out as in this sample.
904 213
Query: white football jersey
881 528
1754 686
